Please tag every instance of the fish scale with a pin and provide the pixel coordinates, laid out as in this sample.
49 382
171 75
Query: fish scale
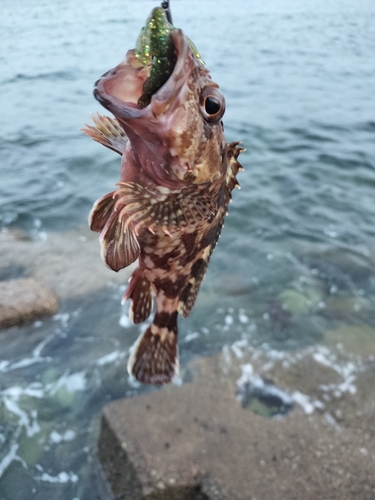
177 176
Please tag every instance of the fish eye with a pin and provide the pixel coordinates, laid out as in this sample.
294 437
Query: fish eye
212 104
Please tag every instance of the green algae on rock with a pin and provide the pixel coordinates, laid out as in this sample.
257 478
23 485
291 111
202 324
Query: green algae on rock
357 339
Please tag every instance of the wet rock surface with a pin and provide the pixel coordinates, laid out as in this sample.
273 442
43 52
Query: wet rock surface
68 262
25 300
197 439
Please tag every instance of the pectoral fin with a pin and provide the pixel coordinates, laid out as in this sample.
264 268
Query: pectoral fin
101 212
107 131
119 244
155 209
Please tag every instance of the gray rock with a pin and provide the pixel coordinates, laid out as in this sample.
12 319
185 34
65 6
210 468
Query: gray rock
69 262
197 442
24 300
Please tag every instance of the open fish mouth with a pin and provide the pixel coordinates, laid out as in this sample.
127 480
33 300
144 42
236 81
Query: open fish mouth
120 89
171 111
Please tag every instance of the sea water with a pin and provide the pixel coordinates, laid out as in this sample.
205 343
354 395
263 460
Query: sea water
296 257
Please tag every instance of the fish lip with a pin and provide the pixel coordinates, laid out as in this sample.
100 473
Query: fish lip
164 100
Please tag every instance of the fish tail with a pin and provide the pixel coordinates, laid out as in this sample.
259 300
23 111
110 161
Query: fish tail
154 359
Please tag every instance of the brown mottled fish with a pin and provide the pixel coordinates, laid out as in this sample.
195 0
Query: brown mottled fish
177 175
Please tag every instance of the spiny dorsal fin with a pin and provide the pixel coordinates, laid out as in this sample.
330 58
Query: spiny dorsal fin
161 209
234 166
199 268
107 131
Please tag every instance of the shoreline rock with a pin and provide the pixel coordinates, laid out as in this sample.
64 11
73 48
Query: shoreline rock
24 300
195 442
69 262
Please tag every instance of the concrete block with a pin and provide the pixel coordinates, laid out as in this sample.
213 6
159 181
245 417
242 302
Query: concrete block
197 442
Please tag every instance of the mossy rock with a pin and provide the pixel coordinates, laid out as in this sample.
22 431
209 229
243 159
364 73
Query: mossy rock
64 398
31 448
357 339
294 301
341 305
261 409
51 375
302 297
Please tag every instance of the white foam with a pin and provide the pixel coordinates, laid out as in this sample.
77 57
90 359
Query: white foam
237 351
228 320
110 358
191 336
226 357
304 401
124 321
36 357
56 438
4 365
8 459
10 399
62 477
331 421
74 382
243 318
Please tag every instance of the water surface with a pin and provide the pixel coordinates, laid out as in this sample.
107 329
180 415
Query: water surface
296 256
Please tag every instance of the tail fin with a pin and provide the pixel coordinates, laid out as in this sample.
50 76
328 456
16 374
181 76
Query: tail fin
155 356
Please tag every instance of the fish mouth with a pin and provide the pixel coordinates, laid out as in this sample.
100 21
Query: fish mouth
120 88
149 128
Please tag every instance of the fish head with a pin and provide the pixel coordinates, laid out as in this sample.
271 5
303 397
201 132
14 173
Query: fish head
176 132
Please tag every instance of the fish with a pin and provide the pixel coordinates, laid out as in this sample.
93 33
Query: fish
177 175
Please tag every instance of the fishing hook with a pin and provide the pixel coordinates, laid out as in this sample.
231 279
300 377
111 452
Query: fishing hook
165 6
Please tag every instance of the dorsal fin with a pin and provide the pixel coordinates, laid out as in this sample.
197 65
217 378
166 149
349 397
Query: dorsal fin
107 131
234 167
199 268
160 208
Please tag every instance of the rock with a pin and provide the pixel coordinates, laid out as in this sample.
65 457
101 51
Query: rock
294 301
31 448
24 300
196 441
342 306
302 296
357 338
69 262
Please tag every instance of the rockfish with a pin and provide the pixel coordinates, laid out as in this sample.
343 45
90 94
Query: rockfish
177 175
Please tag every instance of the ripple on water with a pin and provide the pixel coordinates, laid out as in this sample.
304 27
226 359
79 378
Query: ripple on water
294 267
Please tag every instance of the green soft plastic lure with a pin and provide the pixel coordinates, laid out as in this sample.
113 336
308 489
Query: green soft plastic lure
155 49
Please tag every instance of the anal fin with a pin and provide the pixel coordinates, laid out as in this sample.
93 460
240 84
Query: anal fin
139 292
